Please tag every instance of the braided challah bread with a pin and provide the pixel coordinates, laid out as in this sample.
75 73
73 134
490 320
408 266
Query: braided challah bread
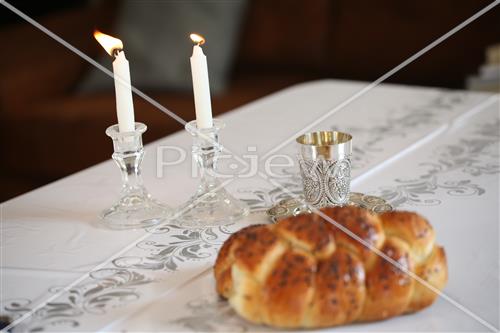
305 272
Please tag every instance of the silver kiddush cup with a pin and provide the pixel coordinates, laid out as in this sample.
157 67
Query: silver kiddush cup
325 166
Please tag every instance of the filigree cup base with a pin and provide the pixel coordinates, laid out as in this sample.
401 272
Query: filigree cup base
325 167
295 206
212 205
135 208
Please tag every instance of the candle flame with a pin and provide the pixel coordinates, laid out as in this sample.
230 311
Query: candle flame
197 39
109 43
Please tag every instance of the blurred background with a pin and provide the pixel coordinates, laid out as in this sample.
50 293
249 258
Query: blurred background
54 106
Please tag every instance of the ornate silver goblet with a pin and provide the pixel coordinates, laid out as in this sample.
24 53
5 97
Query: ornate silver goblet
325 167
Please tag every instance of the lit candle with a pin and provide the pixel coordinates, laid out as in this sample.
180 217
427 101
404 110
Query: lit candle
121 71
201 87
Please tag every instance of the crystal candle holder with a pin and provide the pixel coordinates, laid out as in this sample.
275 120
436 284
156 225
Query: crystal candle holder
211 205
135 207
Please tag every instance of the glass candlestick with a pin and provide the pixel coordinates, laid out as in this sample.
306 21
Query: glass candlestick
135 208
211 205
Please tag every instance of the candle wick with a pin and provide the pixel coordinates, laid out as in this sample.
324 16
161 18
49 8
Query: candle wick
115 52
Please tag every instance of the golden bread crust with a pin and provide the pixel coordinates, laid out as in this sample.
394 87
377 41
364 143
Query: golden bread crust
307 272
364 224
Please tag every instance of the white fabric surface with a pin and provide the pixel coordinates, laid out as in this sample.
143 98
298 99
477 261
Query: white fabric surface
430 150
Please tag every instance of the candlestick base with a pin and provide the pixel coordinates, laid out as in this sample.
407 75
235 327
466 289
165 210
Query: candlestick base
135 211
211 209
135 208
212 205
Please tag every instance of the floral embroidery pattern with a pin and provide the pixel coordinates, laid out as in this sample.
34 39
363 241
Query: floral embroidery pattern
472 157
106 289
476 155
109 288
370 139
188 244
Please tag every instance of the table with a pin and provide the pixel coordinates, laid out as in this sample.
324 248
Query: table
433 151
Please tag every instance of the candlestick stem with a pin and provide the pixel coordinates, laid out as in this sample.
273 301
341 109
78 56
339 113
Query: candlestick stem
135 208
212 204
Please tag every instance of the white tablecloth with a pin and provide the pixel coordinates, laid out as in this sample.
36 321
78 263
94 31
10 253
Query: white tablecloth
433 151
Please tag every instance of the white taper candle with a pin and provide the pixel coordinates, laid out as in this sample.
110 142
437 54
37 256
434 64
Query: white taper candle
121 73
201 87
123 91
